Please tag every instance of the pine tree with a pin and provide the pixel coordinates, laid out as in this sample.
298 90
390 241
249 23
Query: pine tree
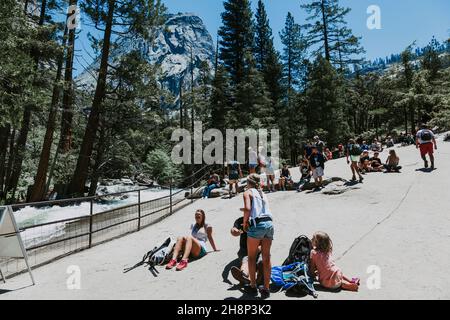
220 100
328 30
237 37
431 61
294 56
266 57
324 102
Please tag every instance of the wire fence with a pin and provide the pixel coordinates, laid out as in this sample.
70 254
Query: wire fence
49 241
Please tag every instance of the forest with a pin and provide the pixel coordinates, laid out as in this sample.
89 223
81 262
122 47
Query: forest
54 133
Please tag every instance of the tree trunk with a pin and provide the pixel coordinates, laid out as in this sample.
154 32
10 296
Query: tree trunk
19 152
406 119
10 159
80 175
67 116
4 135
325 31
95 177
39 187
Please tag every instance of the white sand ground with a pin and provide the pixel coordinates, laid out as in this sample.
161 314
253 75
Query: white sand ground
398 222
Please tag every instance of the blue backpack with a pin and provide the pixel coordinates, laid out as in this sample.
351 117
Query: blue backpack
294 278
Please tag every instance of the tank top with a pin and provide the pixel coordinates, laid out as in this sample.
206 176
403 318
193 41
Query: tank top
260 206
200 234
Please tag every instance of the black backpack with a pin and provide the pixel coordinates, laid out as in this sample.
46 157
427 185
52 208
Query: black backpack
300 251
426 136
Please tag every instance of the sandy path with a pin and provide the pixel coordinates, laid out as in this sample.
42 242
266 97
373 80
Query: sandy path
398 222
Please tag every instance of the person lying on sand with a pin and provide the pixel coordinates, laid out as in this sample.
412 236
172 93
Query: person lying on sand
194 246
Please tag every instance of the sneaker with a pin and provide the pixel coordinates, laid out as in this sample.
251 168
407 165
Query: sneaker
251 290
265 293
361 179
239 276
356 281
182 265
432 166
172 263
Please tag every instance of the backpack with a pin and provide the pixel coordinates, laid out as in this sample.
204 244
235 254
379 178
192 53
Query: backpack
355 150
300 251
294 278
158 256
426 136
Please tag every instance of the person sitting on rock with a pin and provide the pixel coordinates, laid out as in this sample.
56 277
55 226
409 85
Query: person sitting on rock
285 178
193 246
241 274
213 183
364 162
375 163
392 162
305 171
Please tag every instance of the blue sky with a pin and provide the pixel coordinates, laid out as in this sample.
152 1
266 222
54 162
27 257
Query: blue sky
403 21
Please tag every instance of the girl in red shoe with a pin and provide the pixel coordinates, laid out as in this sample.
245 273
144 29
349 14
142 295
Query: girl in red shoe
192 247
322 266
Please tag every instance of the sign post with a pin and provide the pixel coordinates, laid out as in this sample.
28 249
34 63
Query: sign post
11 244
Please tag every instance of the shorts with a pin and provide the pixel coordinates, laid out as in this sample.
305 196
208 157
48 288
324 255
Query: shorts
252 166
318 172
354 158
262 230
202 253
426 148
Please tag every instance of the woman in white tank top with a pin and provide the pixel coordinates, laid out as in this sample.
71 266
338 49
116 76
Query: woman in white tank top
193 246
260 231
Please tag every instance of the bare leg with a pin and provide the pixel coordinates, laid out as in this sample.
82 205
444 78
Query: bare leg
178 247
191 246
252 248
349 286
267 267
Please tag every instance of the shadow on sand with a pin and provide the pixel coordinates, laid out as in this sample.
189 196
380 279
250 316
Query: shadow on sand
226 271
426 170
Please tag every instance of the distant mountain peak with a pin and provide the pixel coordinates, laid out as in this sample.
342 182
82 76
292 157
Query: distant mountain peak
171 51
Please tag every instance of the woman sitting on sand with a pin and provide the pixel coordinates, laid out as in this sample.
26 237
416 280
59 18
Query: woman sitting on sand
194 246
392 162
322 266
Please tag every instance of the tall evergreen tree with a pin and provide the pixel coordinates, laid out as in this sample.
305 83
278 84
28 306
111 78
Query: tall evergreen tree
431 61
220 100
237 37
266 57
325 102
329 35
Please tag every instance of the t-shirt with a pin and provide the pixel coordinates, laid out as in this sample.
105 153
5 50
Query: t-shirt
364 159
317 160
234 170
200 234
285 173
423 134
242 239
328 273
305 171
377 160
308 150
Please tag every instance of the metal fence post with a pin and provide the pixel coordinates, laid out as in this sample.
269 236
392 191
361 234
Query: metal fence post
90 222
192 187
139 210
170 186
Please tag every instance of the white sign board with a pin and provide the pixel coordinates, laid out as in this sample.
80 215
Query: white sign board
11 245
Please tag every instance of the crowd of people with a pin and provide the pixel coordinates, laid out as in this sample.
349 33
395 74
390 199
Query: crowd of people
255 227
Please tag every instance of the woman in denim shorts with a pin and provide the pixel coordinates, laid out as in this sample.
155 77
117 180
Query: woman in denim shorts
259 227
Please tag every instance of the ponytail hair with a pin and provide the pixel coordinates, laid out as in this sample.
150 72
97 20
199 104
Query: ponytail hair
254 180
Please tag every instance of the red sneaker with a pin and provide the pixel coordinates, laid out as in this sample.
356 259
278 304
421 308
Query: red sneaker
172 263
182 265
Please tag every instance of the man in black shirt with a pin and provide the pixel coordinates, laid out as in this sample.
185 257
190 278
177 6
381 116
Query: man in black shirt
241 274
317 163
375 163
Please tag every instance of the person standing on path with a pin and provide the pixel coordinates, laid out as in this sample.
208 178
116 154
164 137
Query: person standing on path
426 142
317 162
234 174
354 153
259 227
